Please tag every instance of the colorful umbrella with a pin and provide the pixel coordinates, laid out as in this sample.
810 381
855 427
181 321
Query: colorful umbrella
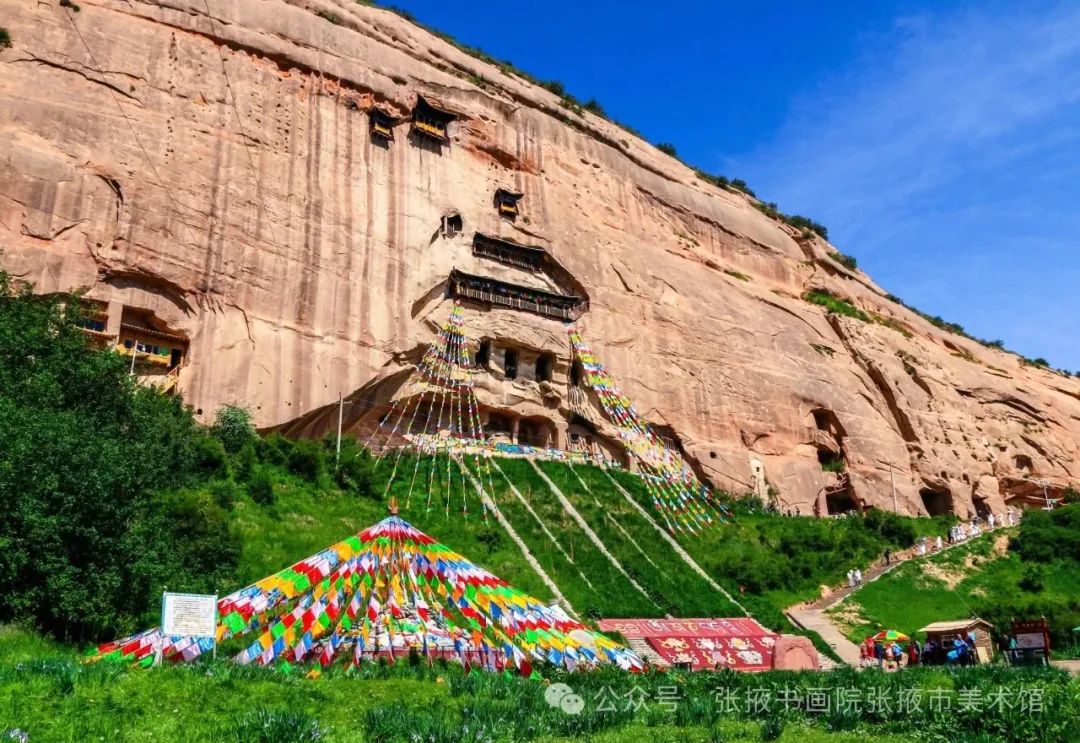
891 635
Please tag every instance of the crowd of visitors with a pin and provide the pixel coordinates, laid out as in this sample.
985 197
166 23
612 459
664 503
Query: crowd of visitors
892 655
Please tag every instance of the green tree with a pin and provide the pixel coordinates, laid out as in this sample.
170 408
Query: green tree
88 536
232 427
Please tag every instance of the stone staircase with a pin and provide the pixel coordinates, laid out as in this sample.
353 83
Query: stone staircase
645 652
812 616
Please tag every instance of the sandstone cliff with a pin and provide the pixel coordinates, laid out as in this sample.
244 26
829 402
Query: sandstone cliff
213 179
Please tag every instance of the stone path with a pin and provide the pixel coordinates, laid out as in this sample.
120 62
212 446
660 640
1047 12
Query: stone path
812 616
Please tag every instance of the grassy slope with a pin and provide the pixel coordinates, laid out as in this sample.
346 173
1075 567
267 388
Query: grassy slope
46 693
909 598
307 518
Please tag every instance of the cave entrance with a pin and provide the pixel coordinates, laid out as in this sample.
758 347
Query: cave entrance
577 373
982 510
830 461
534 432
935 502
483 354
840 502
544 364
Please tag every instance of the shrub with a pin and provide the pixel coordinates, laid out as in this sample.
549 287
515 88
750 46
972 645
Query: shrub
835 304
307 460
69 4
261 487
86 533
225 493
334 18
667 148
891 527
594 106
845 260
354 472
1034 579
245 461
210 457
740 185
274 449
232 427
5 39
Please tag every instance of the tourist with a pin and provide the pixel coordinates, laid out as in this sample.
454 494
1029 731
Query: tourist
888 556
851 578
914 653
990 521
858 577
939 544
1014 650
879 653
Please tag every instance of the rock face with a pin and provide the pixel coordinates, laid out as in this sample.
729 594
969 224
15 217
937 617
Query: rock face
215 182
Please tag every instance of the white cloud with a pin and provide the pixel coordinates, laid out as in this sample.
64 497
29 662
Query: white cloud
946 159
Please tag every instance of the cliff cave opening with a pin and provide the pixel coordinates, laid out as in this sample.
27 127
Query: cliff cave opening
840 502
483 354
544 364
510 363
936 502
830 461
1023 462
452 224
577 373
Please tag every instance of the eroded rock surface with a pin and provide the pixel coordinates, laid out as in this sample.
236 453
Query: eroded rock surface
218 174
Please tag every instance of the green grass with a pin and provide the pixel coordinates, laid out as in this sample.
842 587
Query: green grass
47 693
835 304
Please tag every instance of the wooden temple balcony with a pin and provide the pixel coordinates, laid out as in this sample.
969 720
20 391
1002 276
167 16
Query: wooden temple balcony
527 257
151 348
382 124
431 120
494 292
506 202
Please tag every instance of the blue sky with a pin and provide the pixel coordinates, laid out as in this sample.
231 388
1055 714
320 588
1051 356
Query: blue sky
939 142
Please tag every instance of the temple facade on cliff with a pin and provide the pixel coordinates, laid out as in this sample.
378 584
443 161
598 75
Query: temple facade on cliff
295 232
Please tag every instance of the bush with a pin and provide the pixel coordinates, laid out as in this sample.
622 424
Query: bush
274 449
667 149
261 487
307 460
86 534
277 726
354 473
210 457
5 39
69 4
232 427
845 260
334 18
891 527
245 461
835 304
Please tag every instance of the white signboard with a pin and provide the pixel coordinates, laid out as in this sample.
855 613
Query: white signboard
1031 641
188 615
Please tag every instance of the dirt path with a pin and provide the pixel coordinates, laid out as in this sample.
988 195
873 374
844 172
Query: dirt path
812 616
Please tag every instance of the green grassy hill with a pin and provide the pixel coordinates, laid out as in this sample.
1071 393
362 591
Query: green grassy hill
766 562
981 578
